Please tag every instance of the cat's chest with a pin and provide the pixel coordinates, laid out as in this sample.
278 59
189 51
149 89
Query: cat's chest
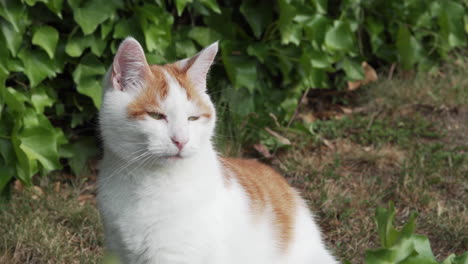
162 213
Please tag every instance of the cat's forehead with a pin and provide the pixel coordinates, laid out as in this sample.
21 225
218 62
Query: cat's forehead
160 81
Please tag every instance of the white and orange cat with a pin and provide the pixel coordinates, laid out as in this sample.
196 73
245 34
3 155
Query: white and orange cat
167 197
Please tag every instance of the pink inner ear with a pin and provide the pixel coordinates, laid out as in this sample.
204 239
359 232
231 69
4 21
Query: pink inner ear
200 64
130 66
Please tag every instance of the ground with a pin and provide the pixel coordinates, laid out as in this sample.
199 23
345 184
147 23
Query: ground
403 139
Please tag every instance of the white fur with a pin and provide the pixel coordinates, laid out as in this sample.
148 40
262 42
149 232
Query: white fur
158 209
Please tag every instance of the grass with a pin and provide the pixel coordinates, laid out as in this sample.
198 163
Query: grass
53 224
404 140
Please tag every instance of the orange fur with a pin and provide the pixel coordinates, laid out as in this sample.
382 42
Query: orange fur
264 186
156 88
180 74
147 101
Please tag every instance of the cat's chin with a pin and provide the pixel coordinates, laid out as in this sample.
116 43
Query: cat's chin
175 157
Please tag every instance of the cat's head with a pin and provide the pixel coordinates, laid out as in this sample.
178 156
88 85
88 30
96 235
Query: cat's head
158 110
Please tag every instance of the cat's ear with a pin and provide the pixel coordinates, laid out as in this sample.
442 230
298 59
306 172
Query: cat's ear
129 68
198 66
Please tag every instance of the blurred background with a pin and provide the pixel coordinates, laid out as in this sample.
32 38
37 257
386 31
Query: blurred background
357 102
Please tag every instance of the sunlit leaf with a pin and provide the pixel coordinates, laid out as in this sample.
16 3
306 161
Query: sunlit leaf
40 143
90 14
37 65
40 99
47 38
339 37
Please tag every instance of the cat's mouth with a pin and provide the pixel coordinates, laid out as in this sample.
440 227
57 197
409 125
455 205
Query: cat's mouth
175 157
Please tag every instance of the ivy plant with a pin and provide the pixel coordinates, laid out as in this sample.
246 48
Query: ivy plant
54 53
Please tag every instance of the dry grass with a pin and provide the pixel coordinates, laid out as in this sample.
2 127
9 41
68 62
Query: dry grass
50 225
405 142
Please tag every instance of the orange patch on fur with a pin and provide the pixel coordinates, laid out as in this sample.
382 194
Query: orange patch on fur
181 77
147 101
265 187
157 88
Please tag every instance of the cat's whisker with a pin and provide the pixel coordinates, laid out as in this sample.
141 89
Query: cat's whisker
127 164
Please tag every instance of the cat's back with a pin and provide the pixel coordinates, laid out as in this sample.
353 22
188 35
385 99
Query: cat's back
277 212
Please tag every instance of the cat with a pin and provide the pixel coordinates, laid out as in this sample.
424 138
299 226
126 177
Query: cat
164 193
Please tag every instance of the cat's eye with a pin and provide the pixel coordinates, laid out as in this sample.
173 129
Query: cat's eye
193 118
156 115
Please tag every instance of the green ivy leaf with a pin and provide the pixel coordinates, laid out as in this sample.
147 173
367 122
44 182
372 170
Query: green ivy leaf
318 59
203 35
180 5
106 28
316 28
375 30
12 37
217 22
258 50
40 143
353 69
212 4
40 99
6 151
54 5
290 32
47 38
240 101
90 14
241 71
451 24
259 14
37 65
339 37
185 48
77 43
25 167
4 72
408 47
127 27
156 25
87 77
82 150
15 13
321 6
15 100
7 173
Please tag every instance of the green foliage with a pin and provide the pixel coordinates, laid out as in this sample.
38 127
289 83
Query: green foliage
53 54
403 246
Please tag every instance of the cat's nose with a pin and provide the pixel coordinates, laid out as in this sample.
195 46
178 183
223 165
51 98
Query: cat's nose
179 142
